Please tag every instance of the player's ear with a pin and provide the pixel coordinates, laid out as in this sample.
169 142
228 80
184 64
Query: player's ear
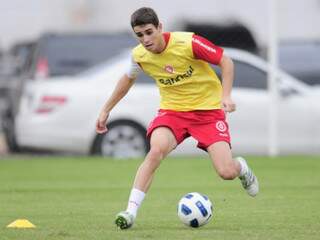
160 27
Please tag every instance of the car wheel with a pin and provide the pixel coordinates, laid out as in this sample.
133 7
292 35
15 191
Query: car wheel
124 139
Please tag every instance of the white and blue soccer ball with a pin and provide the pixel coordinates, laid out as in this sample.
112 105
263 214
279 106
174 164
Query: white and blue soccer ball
195 209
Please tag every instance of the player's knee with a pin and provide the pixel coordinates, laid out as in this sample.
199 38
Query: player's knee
156 153
227 174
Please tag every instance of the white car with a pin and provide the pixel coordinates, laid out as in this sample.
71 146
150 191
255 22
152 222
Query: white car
60 113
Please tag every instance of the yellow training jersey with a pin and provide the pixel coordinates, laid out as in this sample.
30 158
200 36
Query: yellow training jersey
185 83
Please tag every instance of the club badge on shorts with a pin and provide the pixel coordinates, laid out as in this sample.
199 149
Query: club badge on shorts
221 126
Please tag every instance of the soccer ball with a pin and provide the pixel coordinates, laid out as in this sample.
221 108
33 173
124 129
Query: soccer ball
195 209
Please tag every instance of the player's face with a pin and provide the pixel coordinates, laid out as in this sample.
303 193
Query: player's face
150 37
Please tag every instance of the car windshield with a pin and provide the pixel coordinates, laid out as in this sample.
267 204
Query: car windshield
69 55
125 54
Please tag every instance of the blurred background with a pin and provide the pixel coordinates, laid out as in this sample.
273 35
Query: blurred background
59 61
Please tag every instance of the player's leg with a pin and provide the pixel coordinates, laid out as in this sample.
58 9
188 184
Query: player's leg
222 161
162 142
228 168
212 133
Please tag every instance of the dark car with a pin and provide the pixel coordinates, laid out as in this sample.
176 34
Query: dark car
234 35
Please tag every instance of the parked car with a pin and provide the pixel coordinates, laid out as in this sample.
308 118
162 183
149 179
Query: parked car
54 55
60 114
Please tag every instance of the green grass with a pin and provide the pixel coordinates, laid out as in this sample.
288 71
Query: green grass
78 198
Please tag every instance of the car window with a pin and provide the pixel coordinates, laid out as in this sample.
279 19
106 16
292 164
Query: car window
302 60
246 76
101 67
69 55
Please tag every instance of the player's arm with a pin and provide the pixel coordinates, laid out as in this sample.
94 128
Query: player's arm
227 75
121 89
205 50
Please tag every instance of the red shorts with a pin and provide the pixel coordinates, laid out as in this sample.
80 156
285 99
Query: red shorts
206 126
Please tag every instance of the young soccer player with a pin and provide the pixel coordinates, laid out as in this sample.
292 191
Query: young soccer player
193 103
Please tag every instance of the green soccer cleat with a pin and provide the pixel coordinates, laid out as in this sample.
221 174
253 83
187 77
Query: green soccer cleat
249 181
124 220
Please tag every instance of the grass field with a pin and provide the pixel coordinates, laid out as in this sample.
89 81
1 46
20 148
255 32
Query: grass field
77 198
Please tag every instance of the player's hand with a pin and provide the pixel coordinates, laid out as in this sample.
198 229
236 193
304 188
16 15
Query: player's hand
228 105
102 122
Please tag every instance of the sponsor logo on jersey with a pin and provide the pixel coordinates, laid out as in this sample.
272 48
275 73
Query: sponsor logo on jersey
178 78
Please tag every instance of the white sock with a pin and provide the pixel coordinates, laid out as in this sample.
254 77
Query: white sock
243 165
135 200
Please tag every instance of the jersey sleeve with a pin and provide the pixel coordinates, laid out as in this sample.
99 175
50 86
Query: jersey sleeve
133 69
205 50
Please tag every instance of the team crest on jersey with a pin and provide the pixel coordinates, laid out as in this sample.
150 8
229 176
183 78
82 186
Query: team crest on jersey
221 126
169 69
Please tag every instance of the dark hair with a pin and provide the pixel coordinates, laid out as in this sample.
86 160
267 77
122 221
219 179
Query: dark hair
144 16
